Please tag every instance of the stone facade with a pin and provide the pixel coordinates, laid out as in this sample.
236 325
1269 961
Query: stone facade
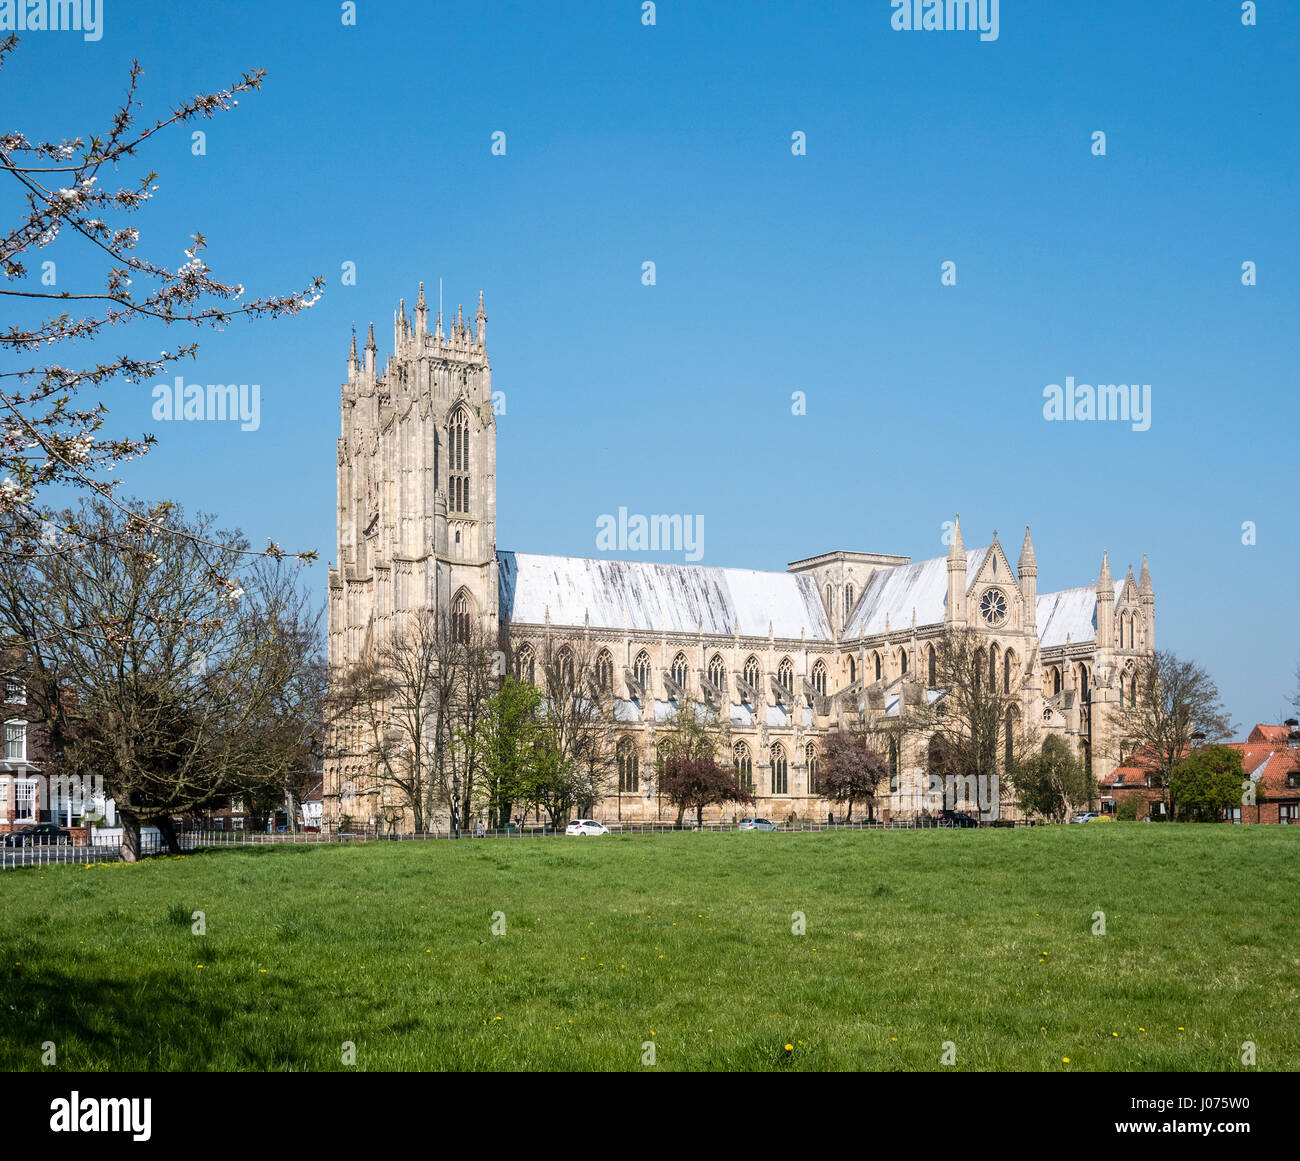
783 657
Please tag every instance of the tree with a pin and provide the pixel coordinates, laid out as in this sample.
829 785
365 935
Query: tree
692 783
1207 782
850 770
176 671
692 734
413 708
974 725
1053 782
1176 700
508 733
575 740
50 433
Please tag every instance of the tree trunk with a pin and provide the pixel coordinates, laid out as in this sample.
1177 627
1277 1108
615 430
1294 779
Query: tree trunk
130 837
699 817
167 828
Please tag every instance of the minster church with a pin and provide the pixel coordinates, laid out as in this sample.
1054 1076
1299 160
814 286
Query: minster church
782 657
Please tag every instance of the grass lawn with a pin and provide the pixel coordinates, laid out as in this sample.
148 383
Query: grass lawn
914 938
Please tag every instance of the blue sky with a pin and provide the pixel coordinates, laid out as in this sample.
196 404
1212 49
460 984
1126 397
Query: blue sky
775 273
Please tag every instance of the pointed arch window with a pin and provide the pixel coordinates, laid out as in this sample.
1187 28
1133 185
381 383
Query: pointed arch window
932 667
564 666
879 665
461 613
785 675
780 770
679 670
1008 659
743 763
752 671
819 678
526 664
458 462
848 600
604 671
993 668
810 758
717 671
853 669
902 662
641 669
1056 681
629 767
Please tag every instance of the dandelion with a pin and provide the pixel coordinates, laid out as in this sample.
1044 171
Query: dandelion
789 1047
1065 1060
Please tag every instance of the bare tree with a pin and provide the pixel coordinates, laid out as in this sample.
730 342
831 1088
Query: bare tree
154 673
1176 701
576 737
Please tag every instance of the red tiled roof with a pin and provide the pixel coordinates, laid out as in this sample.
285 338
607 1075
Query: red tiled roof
1267 733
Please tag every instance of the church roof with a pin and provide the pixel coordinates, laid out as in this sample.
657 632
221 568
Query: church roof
896 592
649 596
1071 612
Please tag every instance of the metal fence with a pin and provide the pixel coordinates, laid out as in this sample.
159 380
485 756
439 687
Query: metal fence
58 854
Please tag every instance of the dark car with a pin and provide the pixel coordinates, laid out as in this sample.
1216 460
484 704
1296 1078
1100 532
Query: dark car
40 835
957 818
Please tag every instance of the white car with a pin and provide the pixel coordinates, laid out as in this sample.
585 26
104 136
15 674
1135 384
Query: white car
585 826
1084 816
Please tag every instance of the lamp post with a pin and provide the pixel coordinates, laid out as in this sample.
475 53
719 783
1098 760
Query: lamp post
455 806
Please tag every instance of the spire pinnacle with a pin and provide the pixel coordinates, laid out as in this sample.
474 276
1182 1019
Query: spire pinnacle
370 341
1144 581
419 299
1027 558
956 549
1105 586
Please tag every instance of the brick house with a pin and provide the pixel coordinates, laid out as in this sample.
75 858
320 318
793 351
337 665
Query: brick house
1270 757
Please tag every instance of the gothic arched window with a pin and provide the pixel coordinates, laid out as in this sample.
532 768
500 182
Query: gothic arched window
1056 681
629 768
785 675
1083 683
853 670
679 670
717 670
879 665
604 671
751 671
460 618
564 666
830 599
993 668
848 600
902 662
458 462
641 668
932 666
1008 659
525 663
780 771
744 765
810 758
819 678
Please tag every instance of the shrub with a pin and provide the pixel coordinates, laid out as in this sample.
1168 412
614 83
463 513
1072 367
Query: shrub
1126 810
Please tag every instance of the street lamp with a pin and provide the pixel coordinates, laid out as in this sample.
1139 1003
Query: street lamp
455 806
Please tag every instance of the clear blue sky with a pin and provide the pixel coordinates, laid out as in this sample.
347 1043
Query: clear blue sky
776 273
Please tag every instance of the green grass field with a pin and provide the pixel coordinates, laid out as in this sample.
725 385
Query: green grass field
978 938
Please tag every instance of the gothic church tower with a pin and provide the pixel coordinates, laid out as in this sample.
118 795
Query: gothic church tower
416 483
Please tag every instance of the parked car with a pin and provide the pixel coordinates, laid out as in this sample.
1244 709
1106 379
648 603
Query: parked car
957 818
38 835
1084 816
586 826
757 824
